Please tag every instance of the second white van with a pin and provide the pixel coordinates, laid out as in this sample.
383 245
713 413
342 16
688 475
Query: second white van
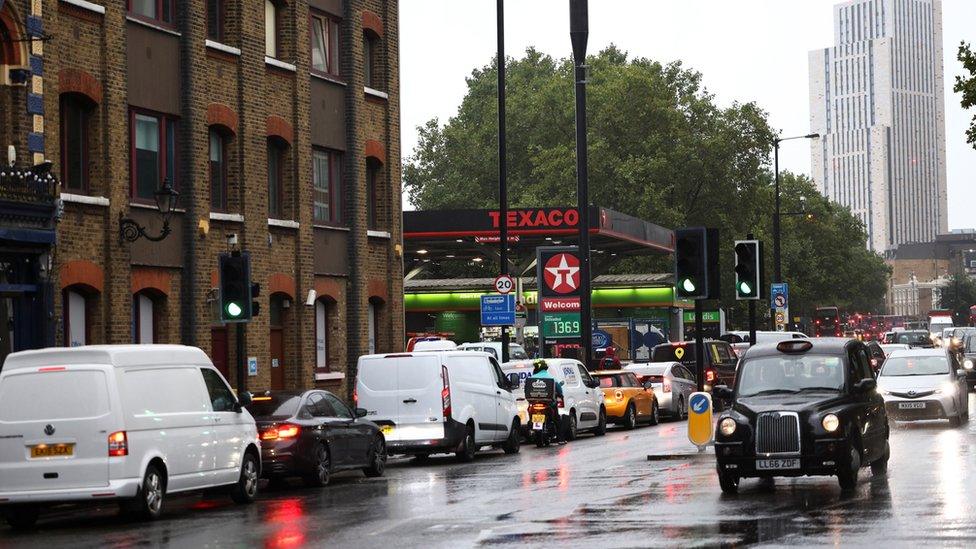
439 402
132 423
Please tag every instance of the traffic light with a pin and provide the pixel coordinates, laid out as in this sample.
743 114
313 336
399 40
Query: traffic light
696 263
235 287
748 269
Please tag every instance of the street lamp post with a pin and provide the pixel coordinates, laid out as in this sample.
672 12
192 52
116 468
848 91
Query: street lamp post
166 199
579 32
777 262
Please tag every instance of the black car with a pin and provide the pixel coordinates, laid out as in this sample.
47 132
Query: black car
313 434
802 407
968 359
719 360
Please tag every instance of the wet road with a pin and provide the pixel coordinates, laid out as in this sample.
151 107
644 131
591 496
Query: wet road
601 492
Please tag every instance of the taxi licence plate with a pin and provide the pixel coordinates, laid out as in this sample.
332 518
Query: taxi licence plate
538 418
773 464
52 450
911 405
387 429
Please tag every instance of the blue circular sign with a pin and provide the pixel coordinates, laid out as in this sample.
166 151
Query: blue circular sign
601 339
699 403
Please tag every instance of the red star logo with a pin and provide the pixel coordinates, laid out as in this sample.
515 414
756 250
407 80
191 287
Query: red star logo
562 273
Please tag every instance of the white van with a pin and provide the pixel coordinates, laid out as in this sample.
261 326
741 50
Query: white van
438 402
582 405
127 422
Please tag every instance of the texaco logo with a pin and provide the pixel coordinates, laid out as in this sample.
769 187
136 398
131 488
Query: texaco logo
562 273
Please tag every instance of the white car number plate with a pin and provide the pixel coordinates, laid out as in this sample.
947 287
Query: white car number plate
910 405
771 464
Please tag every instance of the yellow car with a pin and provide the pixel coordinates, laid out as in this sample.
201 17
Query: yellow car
626 401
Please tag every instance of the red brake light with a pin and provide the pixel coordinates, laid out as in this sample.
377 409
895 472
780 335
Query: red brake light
285 430
51 369
560 402
710 376
446 393
118 444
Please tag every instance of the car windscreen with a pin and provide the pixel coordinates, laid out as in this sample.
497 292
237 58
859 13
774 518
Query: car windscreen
790 374
915 366
517 352
913 338
274 406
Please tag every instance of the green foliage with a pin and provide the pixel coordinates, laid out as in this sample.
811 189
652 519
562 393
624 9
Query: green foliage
966 85
661 149
958 295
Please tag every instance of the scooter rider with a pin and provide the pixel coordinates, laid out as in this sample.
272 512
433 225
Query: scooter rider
540 370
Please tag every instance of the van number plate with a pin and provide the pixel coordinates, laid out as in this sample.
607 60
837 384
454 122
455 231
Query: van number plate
52 450
773 464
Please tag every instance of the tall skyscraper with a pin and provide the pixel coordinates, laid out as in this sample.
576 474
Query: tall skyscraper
876 98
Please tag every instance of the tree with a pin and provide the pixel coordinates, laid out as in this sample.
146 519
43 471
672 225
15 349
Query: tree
660 149
966 85
958 295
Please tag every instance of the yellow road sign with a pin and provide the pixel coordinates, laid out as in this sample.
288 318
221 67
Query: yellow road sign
700 424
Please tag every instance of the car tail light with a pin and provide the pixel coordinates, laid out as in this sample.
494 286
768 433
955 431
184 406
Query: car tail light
874 363
285 430
667 386
355 397
118 444
537 406
619 395
560 402
710 376
446 393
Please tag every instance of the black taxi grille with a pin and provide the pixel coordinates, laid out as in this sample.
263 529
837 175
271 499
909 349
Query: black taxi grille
778 433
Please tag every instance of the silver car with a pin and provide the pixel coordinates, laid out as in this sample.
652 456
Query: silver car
924 384
672 382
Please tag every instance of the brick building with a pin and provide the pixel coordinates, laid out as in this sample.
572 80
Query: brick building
276 121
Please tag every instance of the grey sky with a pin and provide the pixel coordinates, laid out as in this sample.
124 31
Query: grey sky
747 50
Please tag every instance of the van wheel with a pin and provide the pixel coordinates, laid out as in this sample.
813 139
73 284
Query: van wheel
322 470
466 453
22 517
246 488
655 414
377 458
148 503
514 441
630 417
601 425
573 431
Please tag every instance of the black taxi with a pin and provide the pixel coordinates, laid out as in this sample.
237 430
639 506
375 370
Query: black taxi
802 407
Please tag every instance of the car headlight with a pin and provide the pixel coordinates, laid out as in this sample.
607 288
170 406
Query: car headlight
727 426
830 423
947 388
968 364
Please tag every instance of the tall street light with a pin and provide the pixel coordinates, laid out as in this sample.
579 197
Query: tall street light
777 264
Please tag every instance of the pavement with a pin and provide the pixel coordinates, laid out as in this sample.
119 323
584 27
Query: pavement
594 492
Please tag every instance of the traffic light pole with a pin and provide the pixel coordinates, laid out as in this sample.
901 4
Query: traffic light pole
752 302
699 347
241 374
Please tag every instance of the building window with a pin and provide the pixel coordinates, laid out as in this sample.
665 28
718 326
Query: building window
325 43
327 182
216 15
143 319
153 153
76 114
276 192
271 33
218 171
321 335
160 11
371 328
372 199
371 77
75 319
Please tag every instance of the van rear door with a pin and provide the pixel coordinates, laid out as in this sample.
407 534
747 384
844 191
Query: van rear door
402 393
54 428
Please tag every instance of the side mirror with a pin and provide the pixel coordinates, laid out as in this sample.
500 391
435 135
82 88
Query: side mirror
722 392
961 373
865 386
514 381
593 384
361 412
244 398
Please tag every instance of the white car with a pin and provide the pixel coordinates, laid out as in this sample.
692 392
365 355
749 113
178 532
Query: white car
582 404
889 348
494 348
921 384
672 383
433 402
133 423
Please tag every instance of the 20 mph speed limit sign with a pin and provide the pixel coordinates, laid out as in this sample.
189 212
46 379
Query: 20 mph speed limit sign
504 284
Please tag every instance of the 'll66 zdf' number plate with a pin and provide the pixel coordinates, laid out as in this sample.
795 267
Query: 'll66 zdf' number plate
773 464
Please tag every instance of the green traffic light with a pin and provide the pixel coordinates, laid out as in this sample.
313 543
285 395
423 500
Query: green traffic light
688 285
234 310
745 288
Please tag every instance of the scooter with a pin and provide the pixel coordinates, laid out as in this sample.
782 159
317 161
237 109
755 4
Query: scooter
544 424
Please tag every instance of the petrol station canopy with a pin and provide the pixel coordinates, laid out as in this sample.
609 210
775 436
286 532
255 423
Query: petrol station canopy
467 234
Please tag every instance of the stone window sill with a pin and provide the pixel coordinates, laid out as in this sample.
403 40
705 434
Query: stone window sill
159 28
279 64
223 48
232 217
86 6
378 234
329 376
376 93
283 223
84 199
331 228
328 78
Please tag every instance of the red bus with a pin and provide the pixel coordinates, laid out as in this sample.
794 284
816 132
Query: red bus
826 322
